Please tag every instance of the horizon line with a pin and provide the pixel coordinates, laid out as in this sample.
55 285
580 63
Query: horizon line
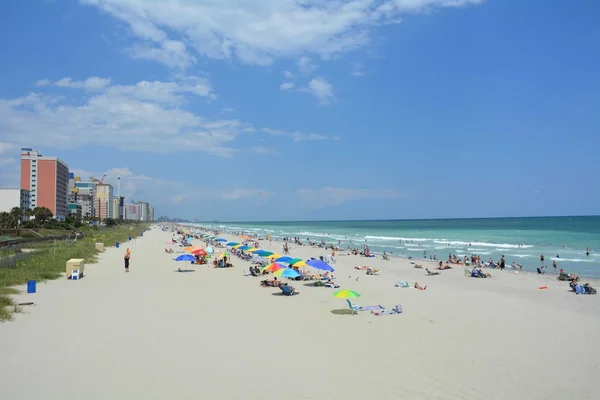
404 219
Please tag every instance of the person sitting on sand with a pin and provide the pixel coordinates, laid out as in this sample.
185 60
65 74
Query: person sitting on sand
291 288
417 286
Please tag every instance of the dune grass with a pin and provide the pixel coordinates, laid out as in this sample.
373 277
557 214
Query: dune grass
48 260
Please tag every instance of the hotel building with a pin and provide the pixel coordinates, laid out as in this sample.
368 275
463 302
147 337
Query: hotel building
47 180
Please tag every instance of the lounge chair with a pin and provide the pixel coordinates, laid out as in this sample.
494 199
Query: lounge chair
432 273
355 307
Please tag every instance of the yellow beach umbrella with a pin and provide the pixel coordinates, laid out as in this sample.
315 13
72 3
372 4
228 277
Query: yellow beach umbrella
251 249
274 256
300 264
237 245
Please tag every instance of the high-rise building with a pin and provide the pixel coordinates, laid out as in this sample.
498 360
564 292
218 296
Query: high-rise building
83 194
132 212
47 180
118 203
104 201
14 197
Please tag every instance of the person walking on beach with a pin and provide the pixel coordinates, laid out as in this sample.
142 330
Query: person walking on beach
126 258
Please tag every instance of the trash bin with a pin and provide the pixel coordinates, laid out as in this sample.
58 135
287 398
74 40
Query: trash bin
31 286
117 245
130 238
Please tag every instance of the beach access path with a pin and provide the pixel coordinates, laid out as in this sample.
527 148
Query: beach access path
155 333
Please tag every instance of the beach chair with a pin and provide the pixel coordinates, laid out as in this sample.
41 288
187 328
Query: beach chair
287 291
430 273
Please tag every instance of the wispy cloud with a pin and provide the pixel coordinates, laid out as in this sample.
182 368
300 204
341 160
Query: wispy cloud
146 116
93 83
175 32
305 65
287 74
286 86
321 89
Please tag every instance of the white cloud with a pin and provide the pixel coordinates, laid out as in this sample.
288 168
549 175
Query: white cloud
286 86
332 196
305 65
321 89
93 83
287 74
174 32
134 186
147 116
297 136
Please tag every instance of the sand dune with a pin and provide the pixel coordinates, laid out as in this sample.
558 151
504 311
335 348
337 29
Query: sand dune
158 334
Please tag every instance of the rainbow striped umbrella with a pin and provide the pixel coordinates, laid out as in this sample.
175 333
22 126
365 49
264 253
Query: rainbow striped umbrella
346 294
273 267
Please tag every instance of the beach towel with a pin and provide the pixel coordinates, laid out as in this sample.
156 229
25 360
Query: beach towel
402 284
370 308
396 310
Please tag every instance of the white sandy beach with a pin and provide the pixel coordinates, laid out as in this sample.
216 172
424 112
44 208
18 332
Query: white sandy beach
154 333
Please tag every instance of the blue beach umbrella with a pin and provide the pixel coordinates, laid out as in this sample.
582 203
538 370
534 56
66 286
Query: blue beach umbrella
322 265
287 273
244 247
221 240
231 244
209 250
185 258
284 259
262 253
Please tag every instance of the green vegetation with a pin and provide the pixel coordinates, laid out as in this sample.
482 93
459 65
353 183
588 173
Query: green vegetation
19 218
49 259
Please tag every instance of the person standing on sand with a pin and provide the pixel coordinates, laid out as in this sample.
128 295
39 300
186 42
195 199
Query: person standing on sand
126 258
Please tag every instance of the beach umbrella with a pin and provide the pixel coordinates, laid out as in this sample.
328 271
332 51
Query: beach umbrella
185 258
287 273
221 240
322 265
294 260
346 294
237 246
189 248
251 250
200 252
244 237
232 244
244 248
264 253
210 250
273 267
299 264
274 256
284 259
224 254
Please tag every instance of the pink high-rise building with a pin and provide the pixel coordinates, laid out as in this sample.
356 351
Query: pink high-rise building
47 179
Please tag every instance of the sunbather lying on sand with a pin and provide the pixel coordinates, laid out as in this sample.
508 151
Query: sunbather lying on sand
372 271
418 266
417 286
362 267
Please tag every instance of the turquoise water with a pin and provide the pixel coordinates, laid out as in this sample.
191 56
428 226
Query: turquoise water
521 240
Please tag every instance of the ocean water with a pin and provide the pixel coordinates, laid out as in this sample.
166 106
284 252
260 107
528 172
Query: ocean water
521 240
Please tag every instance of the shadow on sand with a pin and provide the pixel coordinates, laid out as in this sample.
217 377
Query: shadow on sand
185 270
344 311
282 295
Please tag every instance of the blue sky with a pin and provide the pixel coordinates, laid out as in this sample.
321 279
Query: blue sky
313 109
